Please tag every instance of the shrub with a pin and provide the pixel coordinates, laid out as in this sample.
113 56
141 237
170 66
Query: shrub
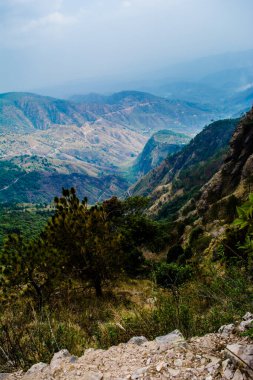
171 275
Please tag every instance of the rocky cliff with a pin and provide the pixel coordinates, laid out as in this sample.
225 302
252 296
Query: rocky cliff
236 173
181 175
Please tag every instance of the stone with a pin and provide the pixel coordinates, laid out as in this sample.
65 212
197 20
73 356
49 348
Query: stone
241 354
178 362
138 340
160 366
139 372
226 329
226 370
245 325
173 372
228 374
171 338
92 376
58 358
39 367
247 316
238 375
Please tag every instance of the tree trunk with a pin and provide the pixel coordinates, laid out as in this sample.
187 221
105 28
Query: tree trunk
98 287
38 291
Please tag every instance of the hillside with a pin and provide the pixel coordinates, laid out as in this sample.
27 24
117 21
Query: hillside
234 177
181 175
223 353
37 180
86 141
157 149
23 112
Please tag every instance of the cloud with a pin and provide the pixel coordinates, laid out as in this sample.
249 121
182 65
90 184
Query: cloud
50 20
50 41
126 4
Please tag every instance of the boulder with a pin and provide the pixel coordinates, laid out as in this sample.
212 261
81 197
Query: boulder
242 356
174 337
245 325
39 367
247 316
138 340
58 358
226 330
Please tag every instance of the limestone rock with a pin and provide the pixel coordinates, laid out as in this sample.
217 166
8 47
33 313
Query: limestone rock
139 373
139 340
238 375
242 356
247 316
37 368
227 329
171 338
58 358
244 325
91 376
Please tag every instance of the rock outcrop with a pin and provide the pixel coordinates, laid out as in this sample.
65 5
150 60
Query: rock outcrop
224 355
236 173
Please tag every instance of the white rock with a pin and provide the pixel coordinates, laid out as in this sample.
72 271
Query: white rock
173 337
160 366
138 340
92 376
173 372
238 375
58 358
247 316
178 362
139 372
226 329
241 354
228 374
37 368
244 325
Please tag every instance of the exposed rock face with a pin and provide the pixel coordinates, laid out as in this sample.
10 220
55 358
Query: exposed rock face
158 147
185 172
211 357
236 173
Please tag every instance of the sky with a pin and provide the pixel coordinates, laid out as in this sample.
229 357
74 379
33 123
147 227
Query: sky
46 43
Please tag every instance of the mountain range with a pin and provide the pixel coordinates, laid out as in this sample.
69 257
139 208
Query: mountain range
180 176
88 141
102 143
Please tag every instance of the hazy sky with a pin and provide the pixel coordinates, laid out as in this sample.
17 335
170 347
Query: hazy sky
48 42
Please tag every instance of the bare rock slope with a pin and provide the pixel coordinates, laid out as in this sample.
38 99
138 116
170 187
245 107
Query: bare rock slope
222 355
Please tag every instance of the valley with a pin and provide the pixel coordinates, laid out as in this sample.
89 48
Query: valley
89 141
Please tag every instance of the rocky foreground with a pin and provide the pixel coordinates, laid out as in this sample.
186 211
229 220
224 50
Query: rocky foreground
222 355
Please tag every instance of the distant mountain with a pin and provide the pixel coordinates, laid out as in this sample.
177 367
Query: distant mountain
158 147
138 111
161 80
90 137
181 175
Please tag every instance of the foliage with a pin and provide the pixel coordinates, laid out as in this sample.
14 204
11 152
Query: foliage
27 221
171 275
245 222
92 244
174 253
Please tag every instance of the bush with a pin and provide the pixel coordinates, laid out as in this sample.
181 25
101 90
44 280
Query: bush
174 252
171 275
